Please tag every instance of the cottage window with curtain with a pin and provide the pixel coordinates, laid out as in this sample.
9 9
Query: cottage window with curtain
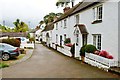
56 38
65 23
61 23
98 12
77 19
97 41
56 26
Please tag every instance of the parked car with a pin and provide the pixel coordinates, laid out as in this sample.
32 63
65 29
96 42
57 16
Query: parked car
8 51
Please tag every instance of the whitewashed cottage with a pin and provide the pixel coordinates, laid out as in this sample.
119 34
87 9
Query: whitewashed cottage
94 23
47 34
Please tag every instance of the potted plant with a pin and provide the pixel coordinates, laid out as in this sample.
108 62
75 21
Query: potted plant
67 40
90 48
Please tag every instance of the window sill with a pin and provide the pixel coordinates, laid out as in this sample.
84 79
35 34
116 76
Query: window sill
96 21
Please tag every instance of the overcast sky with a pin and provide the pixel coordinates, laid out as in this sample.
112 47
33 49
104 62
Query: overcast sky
26 10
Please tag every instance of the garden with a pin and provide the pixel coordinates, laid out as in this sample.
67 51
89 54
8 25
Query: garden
16 43
91 55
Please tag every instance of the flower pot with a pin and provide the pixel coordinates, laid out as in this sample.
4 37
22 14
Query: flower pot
83 58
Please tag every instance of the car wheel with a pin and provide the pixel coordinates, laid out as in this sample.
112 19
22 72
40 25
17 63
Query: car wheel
5 56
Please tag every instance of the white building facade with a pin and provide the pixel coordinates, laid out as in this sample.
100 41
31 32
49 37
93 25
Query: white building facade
99 22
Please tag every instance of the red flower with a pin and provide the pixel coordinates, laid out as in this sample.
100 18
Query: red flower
69 45
110 57
104 53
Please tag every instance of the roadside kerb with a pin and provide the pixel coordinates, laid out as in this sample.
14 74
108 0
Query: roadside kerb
28 55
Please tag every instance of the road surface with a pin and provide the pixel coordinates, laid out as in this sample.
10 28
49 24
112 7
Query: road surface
46 63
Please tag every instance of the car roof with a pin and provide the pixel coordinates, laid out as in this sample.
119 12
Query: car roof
7 45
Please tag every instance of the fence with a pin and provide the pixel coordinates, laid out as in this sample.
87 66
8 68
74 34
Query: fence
27 45
97 60
65 50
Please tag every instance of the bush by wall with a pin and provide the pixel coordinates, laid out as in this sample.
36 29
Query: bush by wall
90 48
67 40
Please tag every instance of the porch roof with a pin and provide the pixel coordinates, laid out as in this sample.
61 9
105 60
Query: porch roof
82 28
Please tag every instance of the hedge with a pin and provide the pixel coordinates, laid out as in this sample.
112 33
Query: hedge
13 42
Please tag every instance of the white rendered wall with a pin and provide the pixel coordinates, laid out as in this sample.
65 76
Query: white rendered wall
108 28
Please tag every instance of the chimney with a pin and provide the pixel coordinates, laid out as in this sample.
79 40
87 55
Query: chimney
66 9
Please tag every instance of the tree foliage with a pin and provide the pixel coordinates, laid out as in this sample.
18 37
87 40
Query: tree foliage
5 29
49 18
63 3
20 26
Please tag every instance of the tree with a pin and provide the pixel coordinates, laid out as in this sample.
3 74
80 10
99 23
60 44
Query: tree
63 3
20 26
50 17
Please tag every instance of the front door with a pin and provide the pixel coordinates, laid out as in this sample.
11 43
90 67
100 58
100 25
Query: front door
84 39
61 40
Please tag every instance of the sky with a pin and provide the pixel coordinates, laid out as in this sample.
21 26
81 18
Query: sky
29 11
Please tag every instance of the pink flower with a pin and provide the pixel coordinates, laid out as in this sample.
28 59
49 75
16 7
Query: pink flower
110 57
103 53
97 52
69 45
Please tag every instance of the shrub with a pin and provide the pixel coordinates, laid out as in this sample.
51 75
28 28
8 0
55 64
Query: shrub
32 39
67 40
82 50
3 65
13 42
90 48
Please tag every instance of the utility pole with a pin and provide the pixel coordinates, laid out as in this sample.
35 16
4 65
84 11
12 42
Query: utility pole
29 23
3 22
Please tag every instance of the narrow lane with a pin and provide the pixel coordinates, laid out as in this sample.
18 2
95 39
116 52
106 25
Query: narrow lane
46 63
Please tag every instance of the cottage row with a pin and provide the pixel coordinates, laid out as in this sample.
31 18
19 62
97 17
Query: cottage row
95 23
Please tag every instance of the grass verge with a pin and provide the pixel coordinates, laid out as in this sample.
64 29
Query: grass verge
3 65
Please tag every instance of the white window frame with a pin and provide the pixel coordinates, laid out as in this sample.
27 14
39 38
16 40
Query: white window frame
97 41
77 19
61 23
56 38
98 12
56 26
65 23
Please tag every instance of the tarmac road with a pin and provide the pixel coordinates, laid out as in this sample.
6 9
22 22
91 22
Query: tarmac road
46 63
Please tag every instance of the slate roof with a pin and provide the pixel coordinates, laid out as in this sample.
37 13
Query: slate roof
66 14
78 7
82 28
48 27
13 34
85 4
